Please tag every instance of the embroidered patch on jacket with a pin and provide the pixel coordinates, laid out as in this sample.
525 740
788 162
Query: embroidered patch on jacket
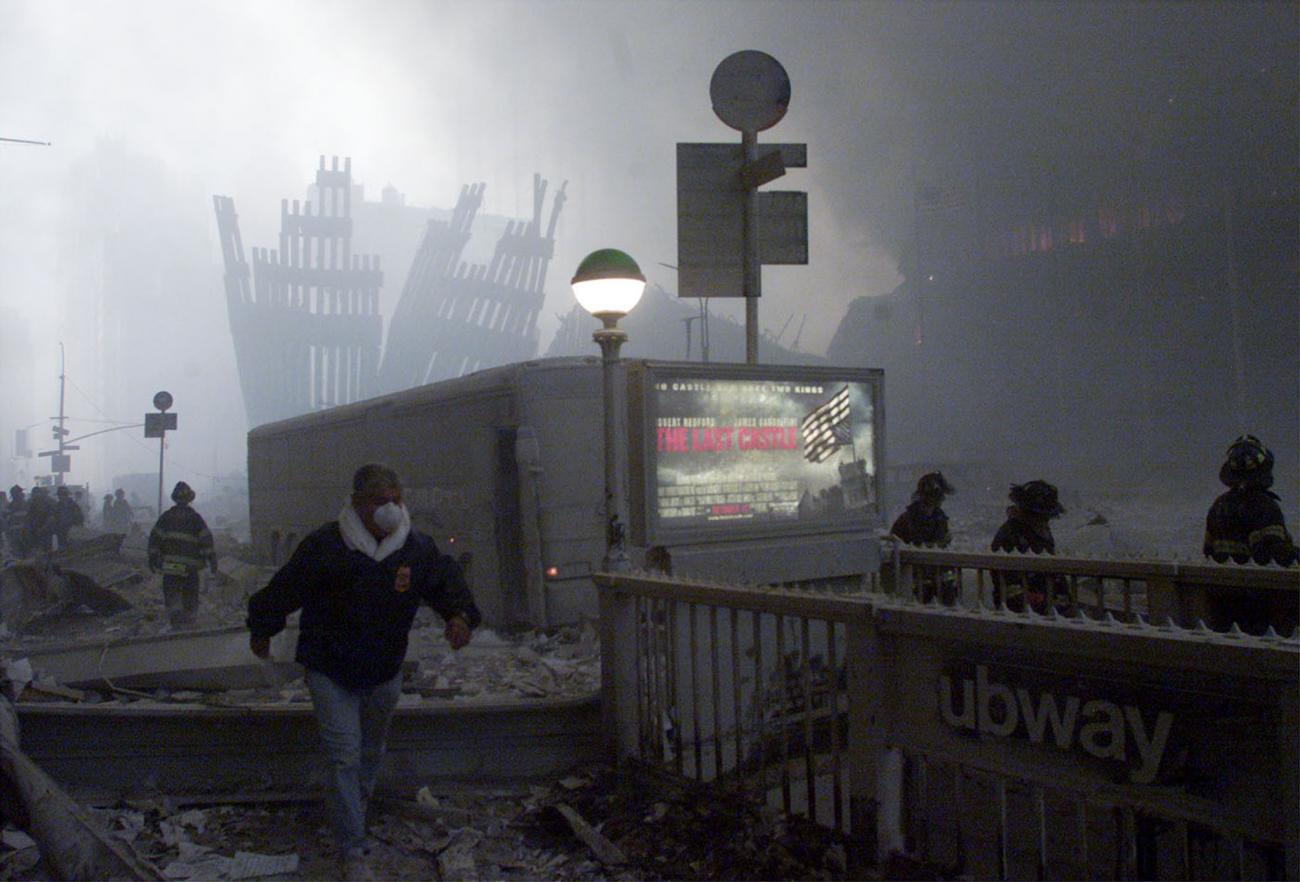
403 582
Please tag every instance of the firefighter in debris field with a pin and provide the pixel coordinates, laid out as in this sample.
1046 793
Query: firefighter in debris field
924 522
180 544
121 512
39 528
15 523
67 514
1026 530
1245 524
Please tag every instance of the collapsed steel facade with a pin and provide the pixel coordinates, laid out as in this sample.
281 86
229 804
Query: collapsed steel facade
305 317
455 318
306 325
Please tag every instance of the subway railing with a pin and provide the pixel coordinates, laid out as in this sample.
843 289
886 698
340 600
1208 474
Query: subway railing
733 684
978 740
1224 597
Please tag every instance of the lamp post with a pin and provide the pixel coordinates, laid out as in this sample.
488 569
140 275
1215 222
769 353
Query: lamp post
608 285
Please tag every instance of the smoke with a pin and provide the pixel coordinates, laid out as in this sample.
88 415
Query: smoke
240 98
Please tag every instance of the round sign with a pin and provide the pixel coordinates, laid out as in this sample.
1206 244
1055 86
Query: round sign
162 400
750 91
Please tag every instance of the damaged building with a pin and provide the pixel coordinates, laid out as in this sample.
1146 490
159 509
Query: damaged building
305 316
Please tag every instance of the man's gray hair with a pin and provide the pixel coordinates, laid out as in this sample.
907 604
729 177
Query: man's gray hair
374 478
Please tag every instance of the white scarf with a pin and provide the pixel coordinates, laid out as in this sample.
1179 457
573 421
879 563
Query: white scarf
358 538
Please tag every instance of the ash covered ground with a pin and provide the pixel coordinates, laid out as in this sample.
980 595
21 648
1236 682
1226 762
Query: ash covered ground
660 828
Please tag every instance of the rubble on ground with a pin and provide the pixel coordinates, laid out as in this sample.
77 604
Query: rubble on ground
659 827
561 662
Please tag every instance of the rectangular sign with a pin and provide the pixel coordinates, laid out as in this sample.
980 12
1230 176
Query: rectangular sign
791 449
156 423
711 217
783 227
1117 722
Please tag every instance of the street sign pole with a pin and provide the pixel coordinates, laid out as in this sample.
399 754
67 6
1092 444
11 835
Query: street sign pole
162 447
726 228
157 424
753 277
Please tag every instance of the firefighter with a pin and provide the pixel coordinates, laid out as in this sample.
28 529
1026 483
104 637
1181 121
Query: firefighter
122 513
179 545
1245 523
924 522
67 514
15 523
40 524
1028 529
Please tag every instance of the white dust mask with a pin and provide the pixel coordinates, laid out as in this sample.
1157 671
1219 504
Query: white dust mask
388 517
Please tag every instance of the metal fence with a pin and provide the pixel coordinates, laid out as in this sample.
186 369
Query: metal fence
1249 598
846 709
737 685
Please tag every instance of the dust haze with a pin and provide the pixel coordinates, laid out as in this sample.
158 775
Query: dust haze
935 131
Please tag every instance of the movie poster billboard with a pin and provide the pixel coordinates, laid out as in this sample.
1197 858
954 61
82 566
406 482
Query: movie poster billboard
768 448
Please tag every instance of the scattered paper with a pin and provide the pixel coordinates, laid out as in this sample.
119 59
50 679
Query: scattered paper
17 839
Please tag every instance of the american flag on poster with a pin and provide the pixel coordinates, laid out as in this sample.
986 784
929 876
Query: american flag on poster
826 428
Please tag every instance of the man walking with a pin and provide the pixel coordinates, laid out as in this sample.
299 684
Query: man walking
179 546
358 581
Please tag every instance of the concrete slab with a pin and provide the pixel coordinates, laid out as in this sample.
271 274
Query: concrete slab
150 747
201 660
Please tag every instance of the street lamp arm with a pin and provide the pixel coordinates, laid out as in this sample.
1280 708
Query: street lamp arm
103 431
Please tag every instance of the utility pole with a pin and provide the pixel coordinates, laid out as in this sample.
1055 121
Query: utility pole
61 432
60 460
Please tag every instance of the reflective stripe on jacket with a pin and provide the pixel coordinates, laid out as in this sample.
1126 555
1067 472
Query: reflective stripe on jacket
180 541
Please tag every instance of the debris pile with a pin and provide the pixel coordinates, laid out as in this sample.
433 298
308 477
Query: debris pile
64 602
594 823
561 662
674 828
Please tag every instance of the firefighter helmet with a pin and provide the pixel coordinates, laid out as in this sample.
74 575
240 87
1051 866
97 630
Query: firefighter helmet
1248 462
932 487
182 493
1037 497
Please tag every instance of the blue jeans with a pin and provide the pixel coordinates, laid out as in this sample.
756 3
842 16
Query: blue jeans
353 725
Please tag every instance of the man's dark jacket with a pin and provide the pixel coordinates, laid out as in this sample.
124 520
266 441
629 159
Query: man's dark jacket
356 611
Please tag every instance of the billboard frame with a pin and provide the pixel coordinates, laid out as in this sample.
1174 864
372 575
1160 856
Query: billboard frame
645 527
